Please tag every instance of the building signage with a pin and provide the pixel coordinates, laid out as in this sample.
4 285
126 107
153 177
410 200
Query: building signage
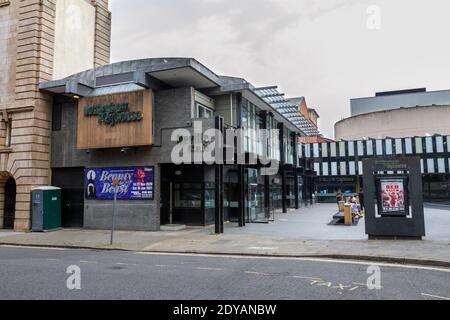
112 114
134 183
393 197
115 121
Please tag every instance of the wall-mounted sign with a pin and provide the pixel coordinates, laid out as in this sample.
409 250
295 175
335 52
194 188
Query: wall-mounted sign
112 114
115 121
393 197
134 183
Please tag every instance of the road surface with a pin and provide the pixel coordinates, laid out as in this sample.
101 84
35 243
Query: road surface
32 273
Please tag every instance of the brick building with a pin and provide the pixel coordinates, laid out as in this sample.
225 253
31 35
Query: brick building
312 118
38 39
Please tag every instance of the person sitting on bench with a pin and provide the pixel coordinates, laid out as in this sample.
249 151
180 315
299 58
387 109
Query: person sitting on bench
354 207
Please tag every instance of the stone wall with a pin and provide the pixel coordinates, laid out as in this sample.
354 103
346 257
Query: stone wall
26 59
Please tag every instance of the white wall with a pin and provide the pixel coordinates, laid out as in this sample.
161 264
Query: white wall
74 37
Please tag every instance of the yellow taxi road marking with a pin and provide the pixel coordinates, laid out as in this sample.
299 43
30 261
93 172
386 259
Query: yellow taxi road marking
435 297
305 278
382 264
325 260
366 285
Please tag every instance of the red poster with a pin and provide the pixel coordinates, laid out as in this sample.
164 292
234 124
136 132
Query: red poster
393 196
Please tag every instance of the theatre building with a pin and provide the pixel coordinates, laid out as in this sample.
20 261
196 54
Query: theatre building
112 131
339 165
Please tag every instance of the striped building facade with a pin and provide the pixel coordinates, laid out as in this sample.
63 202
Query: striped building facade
338 165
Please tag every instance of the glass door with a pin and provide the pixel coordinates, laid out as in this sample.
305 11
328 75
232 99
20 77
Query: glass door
255 198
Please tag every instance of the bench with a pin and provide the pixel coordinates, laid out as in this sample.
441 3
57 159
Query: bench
344 216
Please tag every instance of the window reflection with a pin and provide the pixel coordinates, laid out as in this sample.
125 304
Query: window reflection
187 196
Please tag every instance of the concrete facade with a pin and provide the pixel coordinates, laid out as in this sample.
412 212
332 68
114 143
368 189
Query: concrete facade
397 114
397 123
27 52
384 101
131 215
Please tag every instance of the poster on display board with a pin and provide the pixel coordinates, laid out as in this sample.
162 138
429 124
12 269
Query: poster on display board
393 197
134 183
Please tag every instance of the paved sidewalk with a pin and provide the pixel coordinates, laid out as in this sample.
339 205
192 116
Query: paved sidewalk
200 241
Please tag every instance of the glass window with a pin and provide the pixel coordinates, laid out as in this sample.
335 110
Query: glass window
448 143
369 144
342 149
430 165
316 150
204 112
210 198
440 144
389 150
188 196
8 133
352 168
324 150
360 148
343 168
334 171
419 145
441 165
333 149
429 144
408 146
360 168
317 168
398 146
308 150
351 148
422 166
244 114
325 169
379 145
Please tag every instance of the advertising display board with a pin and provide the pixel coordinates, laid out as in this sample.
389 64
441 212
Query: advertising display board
134 183
393 197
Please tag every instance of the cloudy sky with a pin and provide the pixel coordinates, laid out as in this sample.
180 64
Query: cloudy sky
321 49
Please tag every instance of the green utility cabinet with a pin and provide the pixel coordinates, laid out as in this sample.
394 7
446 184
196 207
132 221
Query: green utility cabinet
46 209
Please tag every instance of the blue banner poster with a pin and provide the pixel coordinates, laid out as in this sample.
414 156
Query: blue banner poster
135 183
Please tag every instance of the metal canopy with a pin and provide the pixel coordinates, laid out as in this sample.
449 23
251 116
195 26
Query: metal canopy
277 100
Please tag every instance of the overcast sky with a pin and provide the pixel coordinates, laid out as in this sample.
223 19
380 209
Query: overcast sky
320 49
